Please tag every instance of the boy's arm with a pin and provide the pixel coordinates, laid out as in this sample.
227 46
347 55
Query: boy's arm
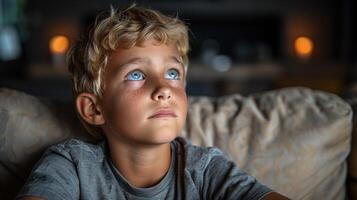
53 177
223 180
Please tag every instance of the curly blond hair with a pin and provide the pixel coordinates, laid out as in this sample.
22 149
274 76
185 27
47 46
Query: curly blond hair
125 28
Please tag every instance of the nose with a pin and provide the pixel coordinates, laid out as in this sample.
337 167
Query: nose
162 92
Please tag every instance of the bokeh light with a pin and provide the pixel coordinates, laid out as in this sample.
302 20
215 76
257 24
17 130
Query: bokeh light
59 44
304 46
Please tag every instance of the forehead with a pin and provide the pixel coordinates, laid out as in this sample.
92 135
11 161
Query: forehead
149 50
149 53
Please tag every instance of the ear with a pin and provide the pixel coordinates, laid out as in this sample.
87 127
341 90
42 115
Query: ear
89 109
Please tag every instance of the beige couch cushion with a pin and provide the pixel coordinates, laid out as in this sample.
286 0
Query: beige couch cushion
294 140
27 127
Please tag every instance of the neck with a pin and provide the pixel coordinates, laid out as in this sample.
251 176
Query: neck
142 166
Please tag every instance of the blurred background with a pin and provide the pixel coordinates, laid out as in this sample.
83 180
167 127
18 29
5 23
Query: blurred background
237 46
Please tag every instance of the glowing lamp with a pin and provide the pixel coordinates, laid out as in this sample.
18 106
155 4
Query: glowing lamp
58 47
304 47
59 44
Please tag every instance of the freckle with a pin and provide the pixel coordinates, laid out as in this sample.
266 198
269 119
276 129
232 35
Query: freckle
135 95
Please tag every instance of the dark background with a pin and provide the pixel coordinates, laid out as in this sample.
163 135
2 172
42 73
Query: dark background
253 39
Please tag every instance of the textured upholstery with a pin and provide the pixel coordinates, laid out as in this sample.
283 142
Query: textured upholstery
295 140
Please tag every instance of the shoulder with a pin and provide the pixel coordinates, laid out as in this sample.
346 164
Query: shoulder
55 175
199 158
75 150
216 176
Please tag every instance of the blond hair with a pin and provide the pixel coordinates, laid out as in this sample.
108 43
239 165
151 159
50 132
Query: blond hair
126 28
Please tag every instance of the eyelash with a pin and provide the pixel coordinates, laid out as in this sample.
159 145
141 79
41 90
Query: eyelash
127 77
178 75
142 75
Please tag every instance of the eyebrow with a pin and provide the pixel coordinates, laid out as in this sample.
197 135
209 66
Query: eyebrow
178 61
128 62
133 60
146 60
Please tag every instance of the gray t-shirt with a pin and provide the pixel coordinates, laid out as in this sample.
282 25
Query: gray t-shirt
78 170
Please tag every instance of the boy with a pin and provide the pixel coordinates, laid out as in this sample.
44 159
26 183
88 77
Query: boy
129 83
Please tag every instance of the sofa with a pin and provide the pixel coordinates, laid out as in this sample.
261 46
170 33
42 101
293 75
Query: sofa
297 141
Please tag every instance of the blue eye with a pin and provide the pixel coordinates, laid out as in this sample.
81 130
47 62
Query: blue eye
172 74
135 75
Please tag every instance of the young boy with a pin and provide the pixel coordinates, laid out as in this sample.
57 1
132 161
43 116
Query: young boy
129 83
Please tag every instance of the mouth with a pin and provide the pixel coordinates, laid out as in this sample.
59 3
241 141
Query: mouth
163 113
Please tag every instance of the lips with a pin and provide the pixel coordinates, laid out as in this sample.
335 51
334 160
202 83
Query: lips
163 113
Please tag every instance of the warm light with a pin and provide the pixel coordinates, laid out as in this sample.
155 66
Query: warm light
304 46
59 44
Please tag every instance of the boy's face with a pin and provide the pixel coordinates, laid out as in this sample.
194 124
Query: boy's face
144 99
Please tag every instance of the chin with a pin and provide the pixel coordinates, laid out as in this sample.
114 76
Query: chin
162 132
163 136
166 139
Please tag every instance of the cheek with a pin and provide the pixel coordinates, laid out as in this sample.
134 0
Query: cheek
129 103
132 86
126 112
181 100
123 104
179 84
